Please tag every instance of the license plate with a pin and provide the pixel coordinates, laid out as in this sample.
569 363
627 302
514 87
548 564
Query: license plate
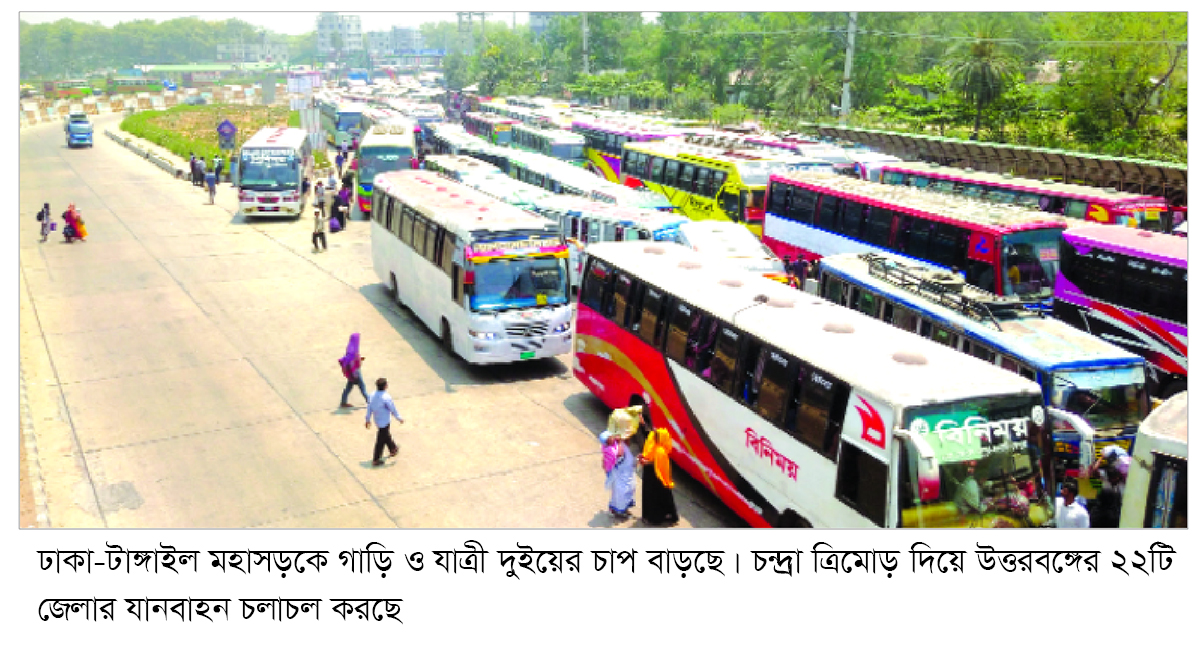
527 355
268 209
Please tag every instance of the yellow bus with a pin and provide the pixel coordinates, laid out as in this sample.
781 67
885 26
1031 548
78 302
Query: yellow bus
705 183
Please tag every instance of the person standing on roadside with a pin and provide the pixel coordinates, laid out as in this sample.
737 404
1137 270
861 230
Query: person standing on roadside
192 166
217 164
383 409
319 229
339 160
352 369
210 179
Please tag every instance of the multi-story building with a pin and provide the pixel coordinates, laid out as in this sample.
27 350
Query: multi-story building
379 43
348 27
406 38
539 21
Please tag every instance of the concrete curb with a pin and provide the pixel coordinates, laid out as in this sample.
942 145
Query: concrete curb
33 464
160 162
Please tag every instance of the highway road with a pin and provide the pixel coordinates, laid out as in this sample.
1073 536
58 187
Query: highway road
181 369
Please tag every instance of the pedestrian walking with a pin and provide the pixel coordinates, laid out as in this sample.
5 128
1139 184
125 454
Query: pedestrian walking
200 172
331 183
801 269
210 179
343 201
352 369
382 408
217 165
319 195
319 229
44 218
192 167
348 180
70 225
658 501
340 159
619 460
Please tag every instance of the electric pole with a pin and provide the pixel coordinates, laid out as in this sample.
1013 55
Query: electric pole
845 110
583 16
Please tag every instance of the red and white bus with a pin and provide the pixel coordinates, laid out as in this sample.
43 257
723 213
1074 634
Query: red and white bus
798 412
1077 201
1006 250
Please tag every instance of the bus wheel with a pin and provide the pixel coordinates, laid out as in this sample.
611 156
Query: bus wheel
1174 387
447 340
396 291
789 519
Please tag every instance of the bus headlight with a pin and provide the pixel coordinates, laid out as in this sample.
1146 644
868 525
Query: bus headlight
483 335
562 327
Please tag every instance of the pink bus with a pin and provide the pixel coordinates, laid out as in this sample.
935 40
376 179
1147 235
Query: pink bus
1093 204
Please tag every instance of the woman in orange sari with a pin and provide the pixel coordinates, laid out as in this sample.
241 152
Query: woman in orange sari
658 502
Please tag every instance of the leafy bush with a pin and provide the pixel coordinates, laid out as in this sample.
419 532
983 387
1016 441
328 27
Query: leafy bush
189 129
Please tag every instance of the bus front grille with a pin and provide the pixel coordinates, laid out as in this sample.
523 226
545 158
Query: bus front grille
527 329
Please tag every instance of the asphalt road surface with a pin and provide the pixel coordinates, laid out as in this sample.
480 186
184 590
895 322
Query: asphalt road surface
181 368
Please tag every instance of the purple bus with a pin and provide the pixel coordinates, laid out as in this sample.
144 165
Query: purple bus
1129 287
603 141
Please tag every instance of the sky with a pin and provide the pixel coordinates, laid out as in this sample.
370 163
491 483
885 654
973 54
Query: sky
297 22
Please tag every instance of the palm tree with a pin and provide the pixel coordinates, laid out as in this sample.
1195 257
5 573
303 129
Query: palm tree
807 83
983 67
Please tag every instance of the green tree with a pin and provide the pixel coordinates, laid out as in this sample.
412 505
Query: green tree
807 84
983 66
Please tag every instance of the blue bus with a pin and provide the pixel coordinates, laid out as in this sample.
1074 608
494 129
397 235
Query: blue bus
1089 378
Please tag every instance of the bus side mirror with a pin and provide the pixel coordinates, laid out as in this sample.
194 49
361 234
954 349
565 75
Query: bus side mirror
1087 435
929 471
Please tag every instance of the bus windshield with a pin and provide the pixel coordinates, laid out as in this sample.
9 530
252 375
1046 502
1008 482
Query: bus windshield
268 169
348 121
1106 398
518 283
1031 262
988 465
383 159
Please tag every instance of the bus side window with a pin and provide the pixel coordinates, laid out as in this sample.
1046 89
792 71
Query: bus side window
718 181
776 197
905 319
671 174
1026 372
867 303
1008 364
804 205
615 309
832 289
633 316
981 275
677 332
448 255
596 279
649 328
942 336
406 225
888 310
384 209
656 170
925 328
829 214
725 356
918 239
852 219
436 255
982 352
772 375
749 373
593 232
687 177
456 283
702 340
703 184
862 483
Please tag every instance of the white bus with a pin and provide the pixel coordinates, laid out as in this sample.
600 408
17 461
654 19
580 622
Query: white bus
734 242
272 167
1156 486
459 168
384 147
489 278
798 412
581 222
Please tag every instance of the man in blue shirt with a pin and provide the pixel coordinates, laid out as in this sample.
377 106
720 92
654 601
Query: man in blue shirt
382 409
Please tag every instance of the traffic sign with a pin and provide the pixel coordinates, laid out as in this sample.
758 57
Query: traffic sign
226 129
